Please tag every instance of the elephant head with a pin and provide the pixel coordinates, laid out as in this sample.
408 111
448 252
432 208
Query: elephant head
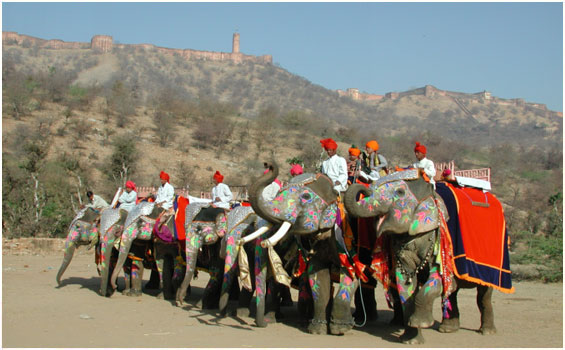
307 205
404 200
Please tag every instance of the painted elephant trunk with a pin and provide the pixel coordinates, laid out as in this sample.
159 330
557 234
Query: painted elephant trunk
256 196
351 204
69 252
125 246
192 247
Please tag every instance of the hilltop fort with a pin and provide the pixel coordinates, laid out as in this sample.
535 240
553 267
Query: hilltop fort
105 43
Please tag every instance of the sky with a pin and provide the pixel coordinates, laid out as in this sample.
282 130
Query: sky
511 49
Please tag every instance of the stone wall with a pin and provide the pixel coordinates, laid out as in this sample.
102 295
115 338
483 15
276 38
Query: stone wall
105 43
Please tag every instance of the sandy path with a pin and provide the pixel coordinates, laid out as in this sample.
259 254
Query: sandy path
37 314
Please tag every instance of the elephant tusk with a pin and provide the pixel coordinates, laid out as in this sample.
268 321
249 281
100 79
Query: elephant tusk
253 235
272 241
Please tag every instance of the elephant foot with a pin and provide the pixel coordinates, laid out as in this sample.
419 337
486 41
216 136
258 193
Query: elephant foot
160 296
449 325
134 293
421 320
340 327
126 291
318 327
412 336
270 317
484 330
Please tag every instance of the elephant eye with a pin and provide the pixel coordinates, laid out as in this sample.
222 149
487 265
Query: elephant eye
306 196
400 192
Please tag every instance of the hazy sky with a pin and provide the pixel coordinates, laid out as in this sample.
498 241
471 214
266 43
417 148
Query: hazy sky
513 50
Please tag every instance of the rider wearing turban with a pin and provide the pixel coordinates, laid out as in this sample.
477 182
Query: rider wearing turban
375 163
353 164
165 193
221 193
335 167
424 163
128 198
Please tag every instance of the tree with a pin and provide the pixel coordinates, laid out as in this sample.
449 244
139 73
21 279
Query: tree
123 160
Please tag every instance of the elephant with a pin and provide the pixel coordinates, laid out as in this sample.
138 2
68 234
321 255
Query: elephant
137 238
307 207
94 229
414 219
215 231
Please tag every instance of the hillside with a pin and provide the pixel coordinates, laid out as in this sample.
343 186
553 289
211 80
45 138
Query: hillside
77 118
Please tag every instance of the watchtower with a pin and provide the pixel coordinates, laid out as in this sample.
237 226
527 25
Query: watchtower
235 44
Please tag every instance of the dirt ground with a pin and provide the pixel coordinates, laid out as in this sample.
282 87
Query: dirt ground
38 314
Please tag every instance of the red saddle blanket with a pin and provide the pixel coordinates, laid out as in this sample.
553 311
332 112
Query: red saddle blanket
478 234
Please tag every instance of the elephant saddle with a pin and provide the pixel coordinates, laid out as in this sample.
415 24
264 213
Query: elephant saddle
478 235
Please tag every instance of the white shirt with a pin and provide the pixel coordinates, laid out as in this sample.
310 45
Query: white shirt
223 192
271 191
335 168
127 200
97 203
429 168
165 194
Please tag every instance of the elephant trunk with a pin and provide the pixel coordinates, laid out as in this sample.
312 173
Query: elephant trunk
69 252
260 282
230 266
352 205
256 196
125 246
192 248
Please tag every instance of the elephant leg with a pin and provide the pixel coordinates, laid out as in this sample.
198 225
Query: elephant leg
127 276
320 283
305 302
106 252
424 301
342 320
484 301
230 268
365 305
450 321
211 297
398 316
272 306
154 280
136 278
261 272
166 278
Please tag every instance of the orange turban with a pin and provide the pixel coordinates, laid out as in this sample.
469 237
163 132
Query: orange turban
164 176
218 177
420 148
328 144
130 184
374 145
354 151
296 169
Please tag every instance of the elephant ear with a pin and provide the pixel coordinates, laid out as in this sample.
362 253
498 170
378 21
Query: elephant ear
425 217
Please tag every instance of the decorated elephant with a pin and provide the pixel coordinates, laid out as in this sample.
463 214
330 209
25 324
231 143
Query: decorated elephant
413 219
94 229
143 224
214 232
307 207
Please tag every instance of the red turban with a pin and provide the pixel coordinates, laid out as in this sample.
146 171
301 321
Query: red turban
328 144
130 184
296 169
374 145
218 177
420 148
446 172
164 176
354 151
